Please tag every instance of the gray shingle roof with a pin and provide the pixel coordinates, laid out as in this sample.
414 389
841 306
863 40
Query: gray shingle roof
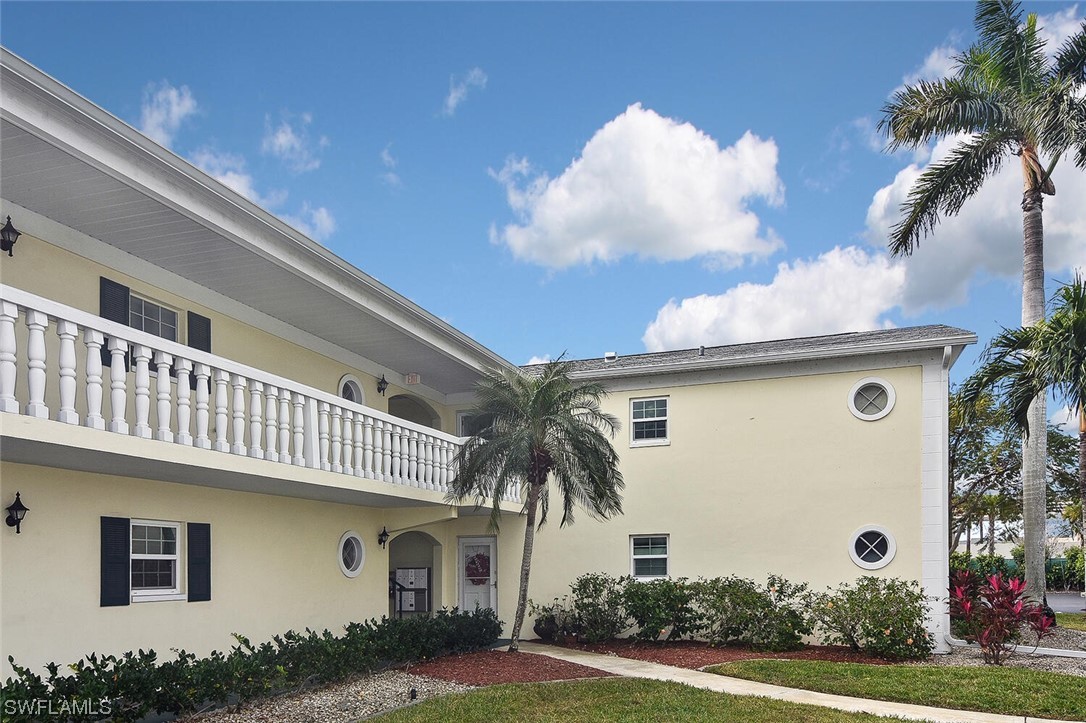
778 350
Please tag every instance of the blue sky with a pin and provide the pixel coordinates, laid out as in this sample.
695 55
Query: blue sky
585 178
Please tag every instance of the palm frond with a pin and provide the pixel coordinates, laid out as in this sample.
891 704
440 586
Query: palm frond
1016 49
1071 57
945 186
923 111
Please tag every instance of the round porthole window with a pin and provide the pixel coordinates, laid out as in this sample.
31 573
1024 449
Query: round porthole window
872 547
352 554
351 389
871 398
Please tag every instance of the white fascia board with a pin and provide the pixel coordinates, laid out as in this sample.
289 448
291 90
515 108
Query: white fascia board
46 108
958 342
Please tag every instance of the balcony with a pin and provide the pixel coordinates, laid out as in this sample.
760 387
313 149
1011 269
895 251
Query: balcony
158 391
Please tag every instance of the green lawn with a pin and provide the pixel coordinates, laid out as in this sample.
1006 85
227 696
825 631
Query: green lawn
625 700
1074 621
1011 691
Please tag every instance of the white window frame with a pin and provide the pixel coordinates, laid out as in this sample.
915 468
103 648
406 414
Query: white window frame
891 398
357 570
666 556
356 388
151 595
891 547
659 441
148 300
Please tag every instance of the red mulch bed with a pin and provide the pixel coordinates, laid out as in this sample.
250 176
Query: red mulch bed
494 667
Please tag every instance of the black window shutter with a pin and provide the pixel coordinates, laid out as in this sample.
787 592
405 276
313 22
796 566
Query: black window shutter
112 306
116 569
199 562
199 332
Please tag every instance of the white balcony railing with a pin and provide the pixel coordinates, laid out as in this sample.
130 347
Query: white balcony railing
185 396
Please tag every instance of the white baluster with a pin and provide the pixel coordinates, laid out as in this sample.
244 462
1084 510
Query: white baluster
367 447
284 426
67 330
443 466
142 355
184 402
323 435
203 405
118 378
271 423
413 458
222 380
163 362
256 425
9 358
239 383
397 455
93 340
348 442
36 321
298 401
385 428
359 470
337 439
428 477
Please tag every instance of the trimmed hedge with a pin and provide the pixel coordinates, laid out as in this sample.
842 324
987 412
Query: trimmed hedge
134 685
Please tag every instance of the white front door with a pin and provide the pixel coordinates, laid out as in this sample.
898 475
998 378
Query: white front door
478 574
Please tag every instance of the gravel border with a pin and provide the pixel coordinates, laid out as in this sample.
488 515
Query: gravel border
972 657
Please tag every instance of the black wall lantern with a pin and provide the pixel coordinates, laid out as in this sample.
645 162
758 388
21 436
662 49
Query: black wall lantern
382 385
16 512
8 237
382 537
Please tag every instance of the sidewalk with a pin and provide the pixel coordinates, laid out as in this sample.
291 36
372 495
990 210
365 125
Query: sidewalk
735 686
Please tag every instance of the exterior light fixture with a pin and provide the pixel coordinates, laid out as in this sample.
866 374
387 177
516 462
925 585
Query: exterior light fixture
382 385
382 537
8 237
16 512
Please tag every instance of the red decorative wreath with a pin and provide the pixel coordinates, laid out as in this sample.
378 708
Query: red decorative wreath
477 568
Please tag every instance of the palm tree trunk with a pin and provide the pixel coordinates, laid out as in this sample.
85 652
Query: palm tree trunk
525 564
1035 445
991 534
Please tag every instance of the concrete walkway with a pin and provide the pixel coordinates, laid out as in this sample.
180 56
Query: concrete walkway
736 686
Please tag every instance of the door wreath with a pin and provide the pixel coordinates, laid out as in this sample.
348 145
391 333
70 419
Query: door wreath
477 568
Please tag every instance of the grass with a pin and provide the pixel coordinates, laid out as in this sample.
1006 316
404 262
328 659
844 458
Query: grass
626 700
1010 691
1073 621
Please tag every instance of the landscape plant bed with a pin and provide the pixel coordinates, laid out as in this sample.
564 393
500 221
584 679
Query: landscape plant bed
494 667
695 654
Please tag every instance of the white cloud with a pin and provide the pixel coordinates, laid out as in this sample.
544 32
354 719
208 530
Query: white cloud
230 170
649 186
389 161
291 143
938 64
1054 29
163 110
844 289
985 238
458 89
316 223
1068 420
539 359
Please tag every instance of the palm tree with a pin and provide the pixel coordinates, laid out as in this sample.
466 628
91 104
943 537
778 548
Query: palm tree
540 428
1023 364
1010 100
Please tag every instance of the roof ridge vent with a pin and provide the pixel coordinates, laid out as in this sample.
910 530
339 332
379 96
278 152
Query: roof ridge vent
609 356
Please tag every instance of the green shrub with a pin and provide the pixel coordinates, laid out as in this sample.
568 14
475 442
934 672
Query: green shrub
598 607
730 608
988 565
882 617
554 620
1076 573
959 561
783 622
661 606
134 685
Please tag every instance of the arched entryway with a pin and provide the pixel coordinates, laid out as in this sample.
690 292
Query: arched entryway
414 410
414 571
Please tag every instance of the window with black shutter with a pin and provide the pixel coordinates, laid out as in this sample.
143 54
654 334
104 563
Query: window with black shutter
117 303
199 562
116 561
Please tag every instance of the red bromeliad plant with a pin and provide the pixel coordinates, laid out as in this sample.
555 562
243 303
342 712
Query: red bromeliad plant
994 612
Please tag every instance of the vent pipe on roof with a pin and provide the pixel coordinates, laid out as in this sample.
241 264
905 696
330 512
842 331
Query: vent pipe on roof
610 356
701 350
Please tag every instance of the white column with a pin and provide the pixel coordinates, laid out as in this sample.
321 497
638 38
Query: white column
428 477
337 439
163 362
222 380
284 426
36 321
397 455
385 429
367 447
271 423
142 356
67 331
348 441
311 428
203 405
359 470
93 340
118 377
239 383
184 402
413 471
256 425
9 313
323 435
298 402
